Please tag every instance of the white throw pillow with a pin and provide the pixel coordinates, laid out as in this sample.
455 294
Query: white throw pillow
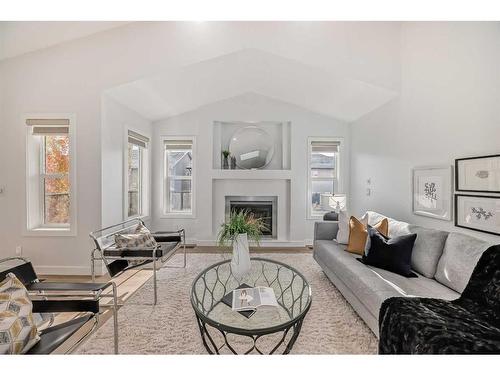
343 232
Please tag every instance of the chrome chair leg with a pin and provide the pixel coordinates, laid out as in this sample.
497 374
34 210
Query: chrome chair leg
184 246
92 266
115 317
154 281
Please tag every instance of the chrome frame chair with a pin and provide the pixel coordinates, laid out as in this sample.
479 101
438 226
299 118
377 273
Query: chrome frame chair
57 297
117 260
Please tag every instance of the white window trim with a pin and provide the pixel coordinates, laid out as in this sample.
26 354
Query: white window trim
340 171
172 215
145 206
52 230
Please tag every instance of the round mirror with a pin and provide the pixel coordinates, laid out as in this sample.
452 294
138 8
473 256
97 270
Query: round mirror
252 147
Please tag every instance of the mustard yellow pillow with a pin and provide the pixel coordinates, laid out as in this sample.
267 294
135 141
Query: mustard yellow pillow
358 234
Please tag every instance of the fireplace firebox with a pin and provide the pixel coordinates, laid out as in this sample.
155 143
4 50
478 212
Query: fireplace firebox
259 206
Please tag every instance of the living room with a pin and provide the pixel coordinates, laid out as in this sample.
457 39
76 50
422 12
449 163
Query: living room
159 175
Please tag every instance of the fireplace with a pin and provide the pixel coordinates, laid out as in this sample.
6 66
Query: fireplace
262 207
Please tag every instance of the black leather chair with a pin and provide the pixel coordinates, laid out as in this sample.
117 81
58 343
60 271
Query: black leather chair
55 297
469 324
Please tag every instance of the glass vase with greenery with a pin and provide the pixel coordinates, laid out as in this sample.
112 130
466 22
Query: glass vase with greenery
241 226
241 222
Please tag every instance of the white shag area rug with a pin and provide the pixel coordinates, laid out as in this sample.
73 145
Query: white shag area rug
330 327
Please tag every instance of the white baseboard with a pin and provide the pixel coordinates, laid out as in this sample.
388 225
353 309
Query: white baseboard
263 243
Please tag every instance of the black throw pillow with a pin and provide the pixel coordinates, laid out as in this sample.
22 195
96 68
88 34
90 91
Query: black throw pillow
391 254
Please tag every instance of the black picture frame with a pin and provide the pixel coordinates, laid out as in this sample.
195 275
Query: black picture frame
474 196
457 187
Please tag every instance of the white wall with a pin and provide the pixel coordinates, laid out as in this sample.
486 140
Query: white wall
248 107
116 121
448 108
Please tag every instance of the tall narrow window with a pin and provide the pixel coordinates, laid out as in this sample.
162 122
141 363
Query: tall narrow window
50 196
137 181
179 177
323 173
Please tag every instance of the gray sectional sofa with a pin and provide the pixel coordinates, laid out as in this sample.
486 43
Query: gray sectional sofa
443 261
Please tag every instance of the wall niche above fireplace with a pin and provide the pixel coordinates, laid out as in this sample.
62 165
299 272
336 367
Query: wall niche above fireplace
279 133
265 207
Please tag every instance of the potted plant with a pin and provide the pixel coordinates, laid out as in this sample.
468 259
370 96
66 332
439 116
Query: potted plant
225 161
242 225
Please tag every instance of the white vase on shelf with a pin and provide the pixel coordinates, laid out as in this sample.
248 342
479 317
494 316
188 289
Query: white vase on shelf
240 264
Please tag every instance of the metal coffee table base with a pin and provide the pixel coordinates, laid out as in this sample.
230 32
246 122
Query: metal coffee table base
212 348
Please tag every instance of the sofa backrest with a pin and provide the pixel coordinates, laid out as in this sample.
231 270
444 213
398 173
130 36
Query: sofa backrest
428 246
460 256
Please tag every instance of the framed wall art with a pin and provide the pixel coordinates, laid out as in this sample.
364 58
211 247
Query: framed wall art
478 212
432 192
478 174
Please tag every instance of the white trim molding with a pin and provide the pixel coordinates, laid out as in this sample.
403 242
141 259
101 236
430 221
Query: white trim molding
31 226
341 170
179 215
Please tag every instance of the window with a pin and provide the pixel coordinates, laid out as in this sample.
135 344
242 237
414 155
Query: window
50 176
137 197
323 173
179 177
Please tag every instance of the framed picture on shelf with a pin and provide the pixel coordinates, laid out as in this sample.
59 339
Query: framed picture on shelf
479 174
432 192
478 212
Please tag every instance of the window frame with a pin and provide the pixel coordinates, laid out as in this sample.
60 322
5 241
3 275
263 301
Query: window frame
339 175
165 201
144 177
42 176
35 170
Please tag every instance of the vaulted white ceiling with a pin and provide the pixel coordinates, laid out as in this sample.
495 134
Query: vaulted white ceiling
251 70
17 38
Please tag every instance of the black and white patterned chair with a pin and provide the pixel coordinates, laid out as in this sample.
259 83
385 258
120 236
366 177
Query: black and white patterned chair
469 324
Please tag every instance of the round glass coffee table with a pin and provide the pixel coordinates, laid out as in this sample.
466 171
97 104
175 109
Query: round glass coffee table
270 329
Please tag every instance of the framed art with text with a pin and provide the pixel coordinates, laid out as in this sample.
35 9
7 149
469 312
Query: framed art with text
478 212
479 174
432 192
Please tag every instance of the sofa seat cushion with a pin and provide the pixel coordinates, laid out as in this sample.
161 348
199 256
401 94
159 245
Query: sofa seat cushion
433 326
460 255
373 285
420 286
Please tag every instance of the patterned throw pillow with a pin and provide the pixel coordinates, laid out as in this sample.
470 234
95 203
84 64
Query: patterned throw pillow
18 332
141 238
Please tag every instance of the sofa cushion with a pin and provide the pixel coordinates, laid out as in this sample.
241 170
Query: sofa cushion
392 254
371 285
344 227
396 228
427 250
358 234
460 255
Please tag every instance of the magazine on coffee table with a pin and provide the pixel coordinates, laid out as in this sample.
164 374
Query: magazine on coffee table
252 298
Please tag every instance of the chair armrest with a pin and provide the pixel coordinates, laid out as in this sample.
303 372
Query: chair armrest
67 287
325 230
53 306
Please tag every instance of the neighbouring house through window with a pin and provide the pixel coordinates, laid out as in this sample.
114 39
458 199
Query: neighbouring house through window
137 175
178 190
49 178
323 172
